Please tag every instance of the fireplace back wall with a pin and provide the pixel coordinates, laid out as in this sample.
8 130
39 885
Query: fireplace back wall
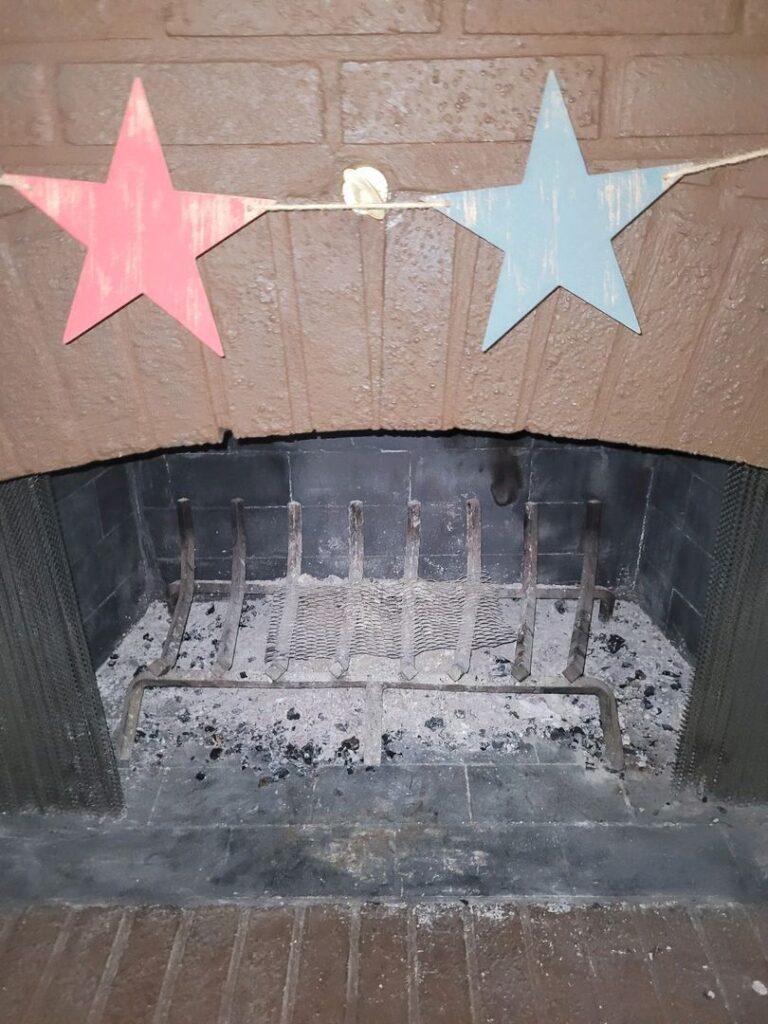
659 516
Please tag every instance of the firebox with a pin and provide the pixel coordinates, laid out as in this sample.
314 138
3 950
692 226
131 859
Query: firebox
348 598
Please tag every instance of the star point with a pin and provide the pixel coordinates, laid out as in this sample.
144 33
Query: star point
143 236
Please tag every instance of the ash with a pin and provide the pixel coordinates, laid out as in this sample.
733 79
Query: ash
277 732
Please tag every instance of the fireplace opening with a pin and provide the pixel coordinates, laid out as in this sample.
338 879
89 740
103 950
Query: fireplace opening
279 605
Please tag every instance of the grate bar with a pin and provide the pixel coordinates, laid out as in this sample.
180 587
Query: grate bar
577 655
521 668
471 593
340 663
172 643
228 639
410 575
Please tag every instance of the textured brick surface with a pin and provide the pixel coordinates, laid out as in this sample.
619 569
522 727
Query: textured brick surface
618 17
195 104
756 16
426 964
468 100
717 95
334 323
302 17
26 114
76 19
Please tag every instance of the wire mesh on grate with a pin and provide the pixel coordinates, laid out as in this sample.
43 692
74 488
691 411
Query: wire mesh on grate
376 607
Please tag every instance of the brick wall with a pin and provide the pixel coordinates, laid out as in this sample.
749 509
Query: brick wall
102 532
660 514
384 472
332 322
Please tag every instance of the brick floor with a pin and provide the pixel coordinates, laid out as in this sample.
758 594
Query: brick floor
456 963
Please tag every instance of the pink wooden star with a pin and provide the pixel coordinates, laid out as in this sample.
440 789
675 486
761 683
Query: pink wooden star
143 236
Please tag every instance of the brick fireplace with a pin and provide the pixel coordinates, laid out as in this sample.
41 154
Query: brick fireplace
354 373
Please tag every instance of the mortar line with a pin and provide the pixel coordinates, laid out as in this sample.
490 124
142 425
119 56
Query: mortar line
291 983
120 941
163 1005
353 966
46 977
233 971
473 969
414 1014
533 977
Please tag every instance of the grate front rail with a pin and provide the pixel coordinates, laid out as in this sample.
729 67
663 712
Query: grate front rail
395 619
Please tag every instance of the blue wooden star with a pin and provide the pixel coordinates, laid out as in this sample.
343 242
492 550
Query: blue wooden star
555 227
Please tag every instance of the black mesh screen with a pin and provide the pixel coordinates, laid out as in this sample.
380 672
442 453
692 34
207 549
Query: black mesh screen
55 749
723 743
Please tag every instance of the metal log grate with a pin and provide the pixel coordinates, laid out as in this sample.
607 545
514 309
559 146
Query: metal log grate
399 620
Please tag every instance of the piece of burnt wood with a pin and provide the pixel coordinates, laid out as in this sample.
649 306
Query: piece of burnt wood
410 575
577 655
228 638
279 663
340 663
471 593
521 668
172 643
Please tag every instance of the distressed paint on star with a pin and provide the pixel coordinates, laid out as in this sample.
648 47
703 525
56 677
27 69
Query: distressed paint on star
555 227
142 235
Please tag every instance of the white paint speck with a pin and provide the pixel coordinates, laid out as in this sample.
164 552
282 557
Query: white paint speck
760 988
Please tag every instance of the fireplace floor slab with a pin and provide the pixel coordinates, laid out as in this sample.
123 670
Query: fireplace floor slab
436 832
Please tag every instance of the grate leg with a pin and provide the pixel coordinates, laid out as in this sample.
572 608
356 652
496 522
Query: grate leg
340 663
228 639
172 643
524 648
577 654
410 575
472 594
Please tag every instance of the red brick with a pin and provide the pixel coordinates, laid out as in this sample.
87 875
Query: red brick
26 116
713 95
194 104
75 981
382 994
441 966
76 19
683 977
505 990
738 960
134 991
462 100
28 948
756 17
302 17
560 965
321 989
258 991
198 986
587 17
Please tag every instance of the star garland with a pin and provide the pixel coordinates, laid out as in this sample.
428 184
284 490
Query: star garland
554 228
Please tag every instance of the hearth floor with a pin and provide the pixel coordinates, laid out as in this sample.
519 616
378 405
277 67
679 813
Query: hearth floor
501 829
271 732
385 963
